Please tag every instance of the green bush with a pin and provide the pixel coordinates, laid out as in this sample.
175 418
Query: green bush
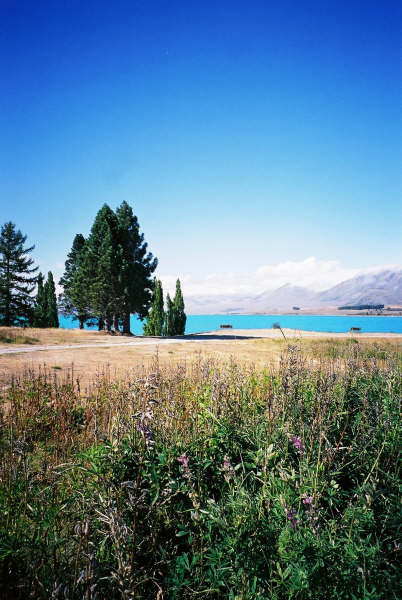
212 482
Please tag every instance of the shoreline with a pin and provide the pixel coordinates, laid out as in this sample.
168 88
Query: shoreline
298 314
294 333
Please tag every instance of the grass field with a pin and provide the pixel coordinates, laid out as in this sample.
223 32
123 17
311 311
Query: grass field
206 478
113 361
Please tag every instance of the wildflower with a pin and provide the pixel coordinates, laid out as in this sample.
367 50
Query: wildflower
292 516
311 512
168 489
146 434
227 466
143 423
297 443
184 460
184 463
227 469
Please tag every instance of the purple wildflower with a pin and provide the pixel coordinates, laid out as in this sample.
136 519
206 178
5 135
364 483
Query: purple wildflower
292 516
311 512
146 434
227 467
184 461
297 443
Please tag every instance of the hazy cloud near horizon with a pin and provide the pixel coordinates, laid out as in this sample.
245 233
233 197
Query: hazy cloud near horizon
312 273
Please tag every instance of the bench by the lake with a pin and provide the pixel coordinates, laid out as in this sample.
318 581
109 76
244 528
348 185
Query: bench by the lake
355 329
226 326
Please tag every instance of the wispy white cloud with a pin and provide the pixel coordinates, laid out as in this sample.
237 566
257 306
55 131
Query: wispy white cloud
311 272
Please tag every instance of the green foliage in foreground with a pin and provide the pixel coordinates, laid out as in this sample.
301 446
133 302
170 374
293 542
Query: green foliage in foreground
205 482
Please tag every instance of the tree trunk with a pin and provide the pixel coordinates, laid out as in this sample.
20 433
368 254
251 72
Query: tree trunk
100 324
107 323
81 320
116 322
126 324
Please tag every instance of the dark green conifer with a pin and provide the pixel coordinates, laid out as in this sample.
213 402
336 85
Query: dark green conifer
179 314
40 309
52 317
135 269
156 318
99 267
74 299
169 318
17 281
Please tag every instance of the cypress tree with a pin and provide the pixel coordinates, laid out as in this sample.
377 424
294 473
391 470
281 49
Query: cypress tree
180 317
40 309
52 317
17 281
169 318
135 269
155 320
74 299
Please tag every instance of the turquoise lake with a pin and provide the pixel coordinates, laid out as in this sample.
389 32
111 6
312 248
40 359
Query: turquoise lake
334 324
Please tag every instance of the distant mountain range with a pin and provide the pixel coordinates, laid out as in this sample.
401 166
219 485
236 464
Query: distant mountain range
383 287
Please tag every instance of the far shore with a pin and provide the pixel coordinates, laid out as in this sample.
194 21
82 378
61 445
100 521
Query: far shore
293 333
318 312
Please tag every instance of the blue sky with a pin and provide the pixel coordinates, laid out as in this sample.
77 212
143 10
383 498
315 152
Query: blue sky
246 135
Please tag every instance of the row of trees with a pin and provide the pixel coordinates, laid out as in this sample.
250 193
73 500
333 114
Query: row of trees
18 306
45 312
171 322
107 277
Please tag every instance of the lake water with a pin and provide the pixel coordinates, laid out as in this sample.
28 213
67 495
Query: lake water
335 324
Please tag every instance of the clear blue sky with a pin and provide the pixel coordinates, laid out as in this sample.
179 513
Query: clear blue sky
243 133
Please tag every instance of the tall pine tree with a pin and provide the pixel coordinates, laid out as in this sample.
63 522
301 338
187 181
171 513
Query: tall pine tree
136 268
74 299
156 317
17 279
52 317
180 317
99 267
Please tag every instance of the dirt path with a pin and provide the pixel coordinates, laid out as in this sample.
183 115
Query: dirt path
97 345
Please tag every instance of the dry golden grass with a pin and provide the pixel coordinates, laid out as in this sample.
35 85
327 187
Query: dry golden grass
115 360
86 363
10 336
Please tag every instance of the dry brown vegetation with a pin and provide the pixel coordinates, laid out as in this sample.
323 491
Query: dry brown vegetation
115 360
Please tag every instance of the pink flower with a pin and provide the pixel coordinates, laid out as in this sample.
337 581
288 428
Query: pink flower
184 460
297 444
